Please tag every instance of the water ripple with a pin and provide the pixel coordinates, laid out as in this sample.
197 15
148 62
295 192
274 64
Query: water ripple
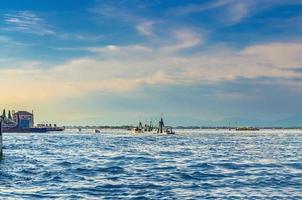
117 165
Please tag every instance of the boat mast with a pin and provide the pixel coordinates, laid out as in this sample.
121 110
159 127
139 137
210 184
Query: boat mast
161 124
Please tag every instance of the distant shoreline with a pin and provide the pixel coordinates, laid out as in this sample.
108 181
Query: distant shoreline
184 127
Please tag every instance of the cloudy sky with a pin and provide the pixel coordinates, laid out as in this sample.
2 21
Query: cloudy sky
115 62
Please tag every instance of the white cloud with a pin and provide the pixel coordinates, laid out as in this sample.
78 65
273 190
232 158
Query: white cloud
145 28
141 24
237 12
78 36
184 39
228 11
9 41
27 21
282 55
193 8
232 11
115 68
119 49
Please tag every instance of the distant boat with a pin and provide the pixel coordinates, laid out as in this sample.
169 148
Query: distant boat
50 127
169 130
247 129
97 131
137 130
164 129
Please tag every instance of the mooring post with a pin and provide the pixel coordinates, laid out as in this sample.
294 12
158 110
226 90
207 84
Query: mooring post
161 125
1 139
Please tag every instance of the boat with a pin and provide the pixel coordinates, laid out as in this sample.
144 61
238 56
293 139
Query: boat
149 128
138 129
164 129
169 131
49 127
97 131
38 130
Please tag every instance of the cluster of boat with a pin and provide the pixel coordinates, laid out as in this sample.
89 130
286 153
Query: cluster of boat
153 129
247 129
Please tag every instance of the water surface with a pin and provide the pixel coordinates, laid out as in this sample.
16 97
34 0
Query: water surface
194 164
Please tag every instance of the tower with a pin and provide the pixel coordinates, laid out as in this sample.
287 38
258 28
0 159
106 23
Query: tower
9 115
4 114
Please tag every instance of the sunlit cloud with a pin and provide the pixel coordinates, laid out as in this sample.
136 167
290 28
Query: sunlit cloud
132 68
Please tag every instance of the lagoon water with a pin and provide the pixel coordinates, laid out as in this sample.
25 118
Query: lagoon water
194 164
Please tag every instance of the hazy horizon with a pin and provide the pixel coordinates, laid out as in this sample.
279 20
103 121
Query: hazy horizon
114 62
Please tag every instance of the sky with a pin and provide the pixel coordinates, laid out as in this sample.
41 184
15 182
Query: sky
99 62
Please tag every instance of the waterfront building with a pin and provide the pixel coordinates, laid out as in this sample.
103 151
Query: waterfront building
24 119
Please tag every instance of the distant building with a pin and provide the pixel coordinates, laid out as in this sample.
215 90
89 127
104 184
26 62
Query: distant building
24 119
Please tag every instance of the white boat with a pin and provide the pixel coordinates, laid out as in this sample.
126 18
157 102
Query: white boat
137 130
169 130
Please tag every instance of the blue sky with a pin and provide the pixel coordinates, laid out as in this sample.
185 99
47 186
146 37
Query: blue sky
115 62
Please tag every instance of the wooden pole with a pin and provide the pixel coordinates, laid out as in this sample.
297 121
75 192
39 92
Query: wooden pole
1 140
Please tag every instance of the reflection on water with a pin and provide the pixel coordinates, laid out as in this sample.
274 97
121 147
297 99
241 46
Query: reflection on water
190 165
